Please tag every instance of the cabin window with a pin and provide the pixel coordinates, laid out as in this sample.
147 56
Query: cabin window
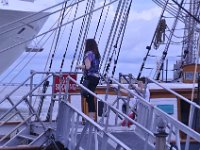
188 75
168 108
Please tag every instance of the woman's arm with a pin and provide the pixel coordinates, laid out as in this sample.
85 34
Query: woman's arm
86 66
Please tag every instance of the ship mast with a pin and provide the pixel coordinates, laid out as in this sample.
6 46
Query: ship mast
190 46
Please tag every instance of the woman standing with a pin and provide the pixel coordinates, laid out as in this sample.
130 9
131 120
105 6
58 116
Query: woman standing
90 66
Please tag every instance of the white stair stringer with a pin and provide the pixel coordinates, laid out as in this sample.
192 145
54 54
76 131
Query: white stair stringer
25 137
42 138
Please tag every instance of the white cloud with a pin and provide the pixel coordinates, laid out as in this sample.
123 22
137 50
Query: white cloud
145 15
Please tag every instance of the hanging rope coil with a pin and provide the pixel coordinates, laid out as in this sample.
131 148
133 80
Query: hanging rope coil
160 33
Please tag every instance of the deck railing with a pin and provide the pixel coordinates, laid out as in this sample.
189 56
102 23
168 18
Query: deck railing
71 127
193 107
145 125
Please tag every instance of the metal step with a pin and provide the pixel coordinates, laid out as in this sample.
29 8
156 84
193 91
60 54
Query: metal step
19 139
130 137
27 136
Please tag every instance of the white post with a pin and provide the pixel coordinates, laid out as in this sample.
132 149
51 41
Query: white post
161 135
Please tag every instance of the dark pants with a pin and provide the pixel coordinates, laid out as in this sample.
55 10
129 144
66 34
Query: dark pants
92 84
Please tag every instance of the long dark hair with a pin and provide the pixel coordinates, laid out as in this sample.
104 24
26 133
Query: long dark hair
91 45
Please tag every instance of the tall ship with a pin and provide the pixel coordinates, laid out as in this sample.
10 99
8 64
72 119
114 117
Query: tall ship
41 106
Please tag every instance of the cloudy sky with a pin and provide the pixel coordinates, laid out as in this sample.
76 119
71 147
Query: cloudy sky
142 22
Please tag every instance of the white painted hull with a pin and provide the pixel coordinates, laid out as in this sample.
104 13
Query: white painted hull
8 51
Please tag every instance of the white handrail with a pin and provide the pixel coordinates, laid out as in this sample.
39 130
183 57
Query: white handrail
176 94
182 127
111 107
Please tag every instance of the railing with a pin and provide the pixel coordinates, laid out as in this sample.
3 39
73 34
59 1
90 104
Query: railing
7 116
69 130
145 126
70 125
148 114
147 135
192 105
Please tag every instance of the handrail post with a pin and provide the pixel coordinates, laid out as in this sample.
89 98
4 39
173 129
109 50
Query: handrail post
31 88
161 135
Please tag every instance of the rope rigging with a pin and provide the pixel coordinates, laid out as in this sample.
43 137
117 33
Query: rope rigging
85 30
18 26
121 18
80 56
25 57
159 35
81 33
164 54
71 30
109 37
58 35
7 75
122 37
104 22
95 34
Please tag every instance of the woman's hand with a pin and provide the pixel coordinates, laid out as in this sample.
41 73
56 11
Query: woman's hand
80 67
86 66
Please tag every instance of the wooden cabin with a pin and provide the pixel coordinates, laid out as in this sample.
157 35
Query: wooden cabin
189 71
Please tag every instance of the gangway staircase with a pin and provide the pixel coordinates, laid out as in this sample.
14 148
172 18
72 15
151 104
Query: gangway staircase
147 115
34 131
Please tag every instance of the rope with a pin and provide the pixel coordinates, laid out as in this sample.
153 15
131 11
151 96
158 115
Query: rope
86 33
99 19
72 26
149 47
160 33
106 16
24 66
158 72
70 12
109 37
126 16
46 83
39 35
80 35
28 17
58 35
23 59
108 60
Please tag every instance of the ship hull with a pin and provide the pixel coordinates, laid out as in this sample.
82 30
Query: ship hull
12 43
